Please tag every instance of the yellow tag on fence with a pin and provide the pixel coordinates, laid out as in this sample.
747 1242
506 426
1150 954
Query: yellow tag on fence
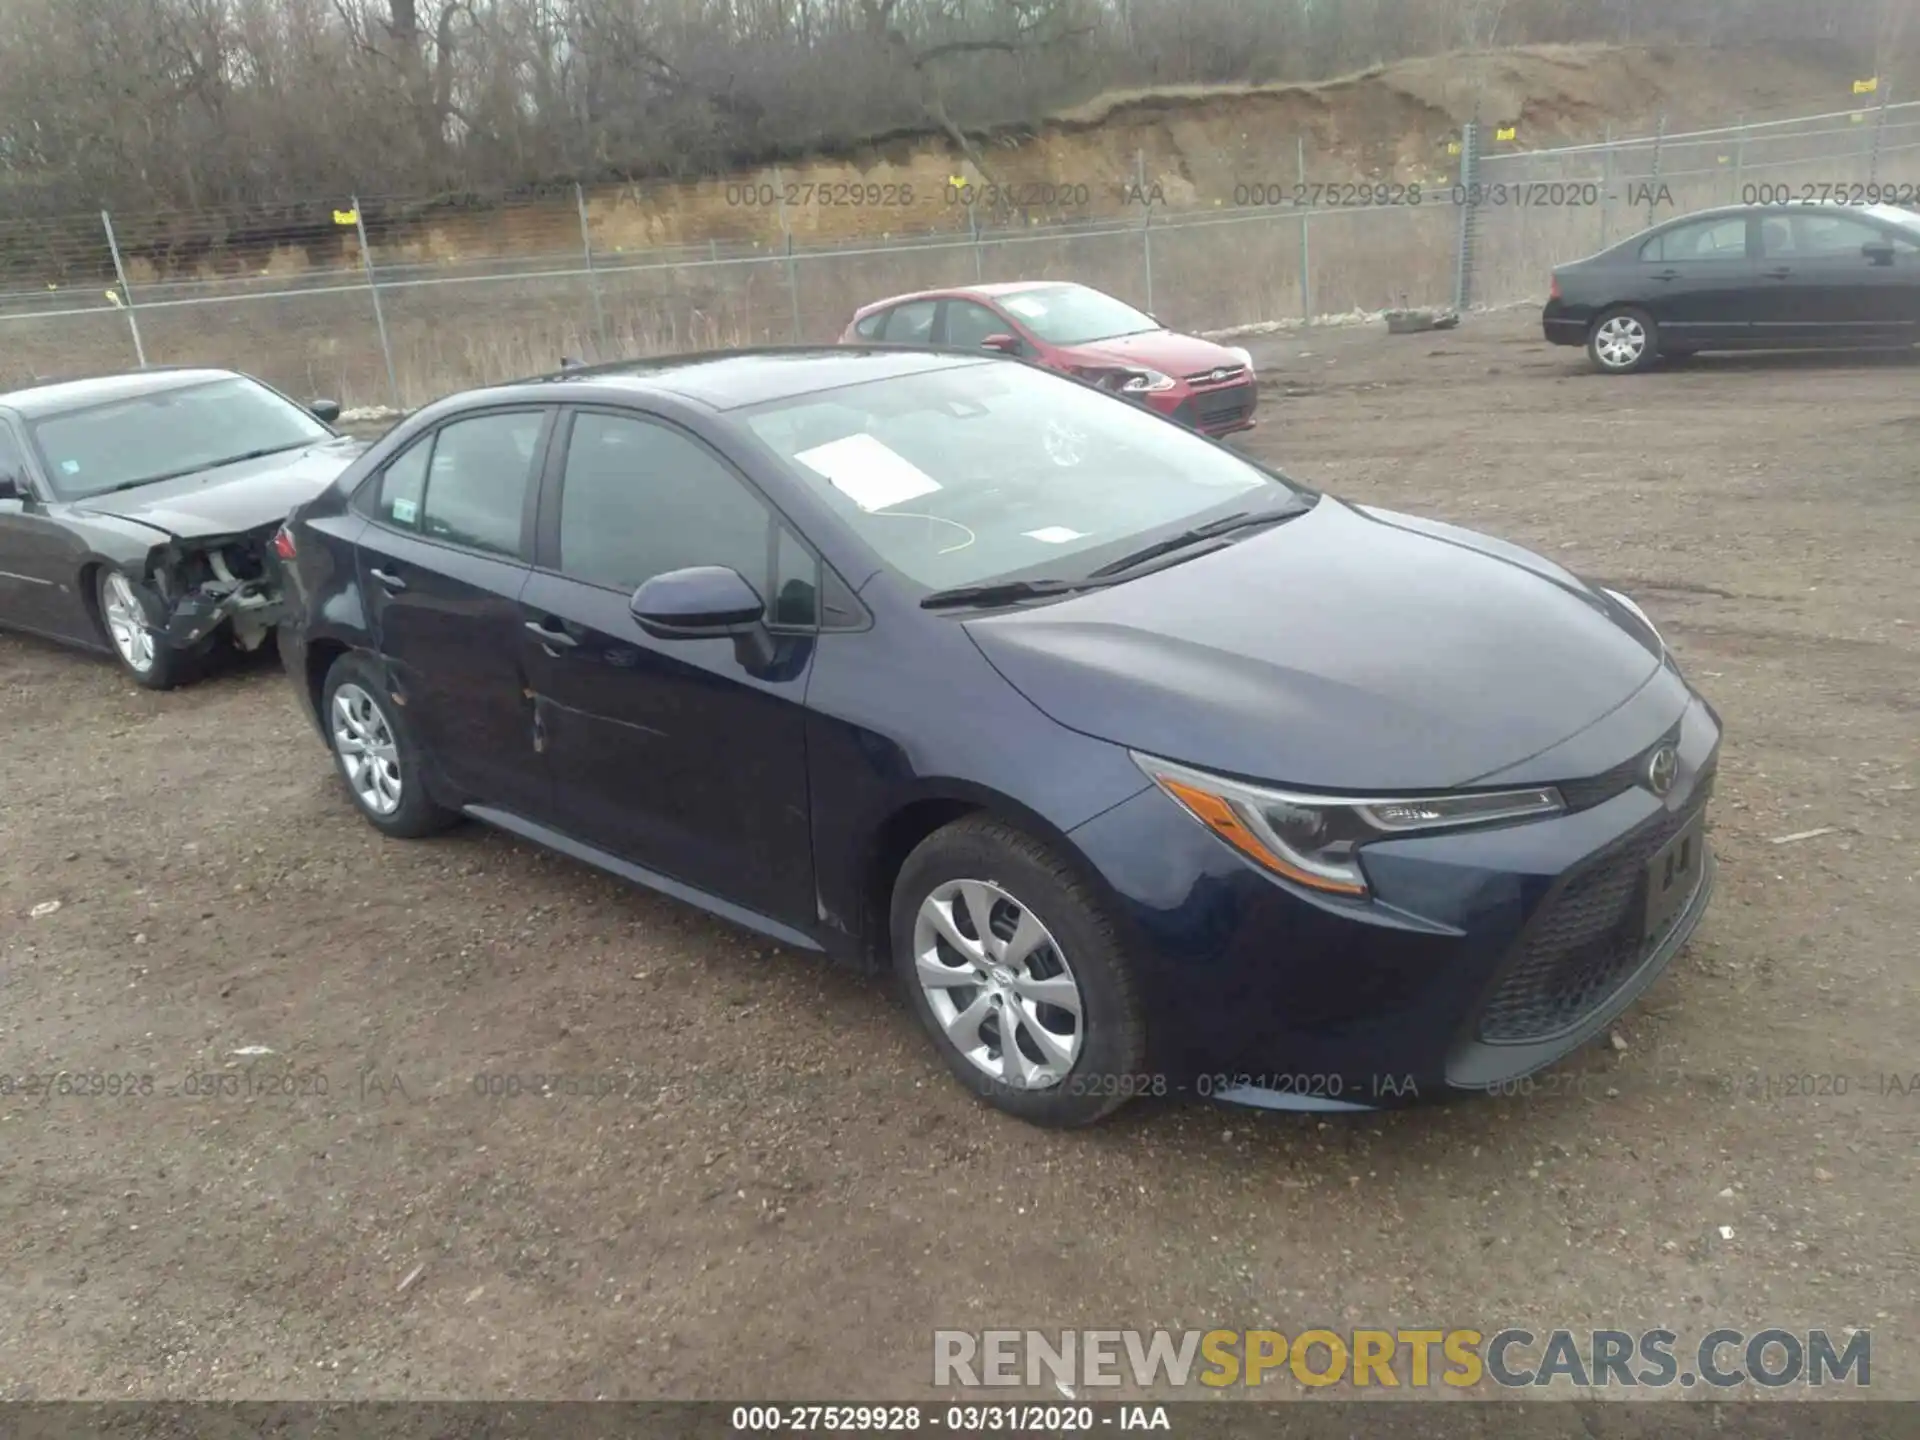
1507 132
1869 86
346 217
1453 147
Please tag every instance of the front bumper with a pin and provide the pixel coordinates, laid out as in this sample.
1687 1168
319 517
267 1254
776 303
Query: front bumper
1482 957
1216 410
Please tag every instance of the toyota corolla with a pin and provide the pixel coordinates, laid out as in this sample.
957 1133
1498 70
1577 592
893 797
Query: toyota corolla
1145 768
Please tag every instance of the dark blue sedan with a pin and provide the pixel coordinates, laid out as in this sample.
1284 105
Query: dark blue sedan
1146 769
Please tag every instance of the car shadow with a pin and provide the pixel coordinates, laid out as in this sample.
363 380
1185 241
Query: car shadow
1732 361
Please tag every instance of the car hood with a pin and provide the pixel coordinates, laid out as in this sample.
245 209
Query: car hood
1164 350
1348 649
230 499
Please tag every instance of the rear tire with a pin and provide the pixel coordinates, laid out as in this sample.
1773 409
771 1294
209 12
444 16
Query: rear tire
1052 976
375 753
1623 340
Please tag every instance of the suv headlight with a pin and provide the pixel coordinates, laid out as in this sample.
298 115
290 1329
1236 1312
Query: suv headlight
1638 614
1314 840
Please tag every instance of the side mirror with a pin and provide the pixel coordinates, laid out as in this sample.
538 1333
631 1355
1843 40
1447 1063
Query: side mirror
703 600
13 486
1005 344
1878 251
325 411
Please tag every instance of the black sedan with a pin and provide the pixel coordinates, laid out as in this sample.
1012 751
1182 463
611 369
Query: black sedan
1748 277
136 510
1147 770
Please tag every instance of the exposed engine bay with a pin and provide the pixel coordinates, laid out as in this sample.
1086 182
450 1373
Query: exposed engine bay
224 579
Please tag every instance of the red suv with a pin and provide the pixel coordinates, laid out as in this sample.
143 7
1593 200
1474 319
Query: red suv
1083 332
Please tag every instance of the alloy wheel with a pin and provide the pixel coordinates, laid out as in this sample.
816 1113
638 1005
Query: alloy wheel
368 751
126 623
1620 342
998 984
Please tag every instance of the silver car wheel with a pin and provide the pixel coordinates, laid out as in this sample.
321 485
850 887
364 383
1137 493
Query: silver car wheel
126 622
998 984
368 752
1620 342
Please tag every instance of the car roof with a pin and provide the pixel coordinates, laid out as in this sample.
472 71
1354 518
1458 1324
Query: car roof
732 379
56 396
991 288
1895 213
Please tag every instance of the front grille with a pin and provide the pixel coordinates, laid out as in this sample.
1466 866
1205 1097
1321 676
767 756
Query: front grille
1587 941
1214 408
1226 373
1584 794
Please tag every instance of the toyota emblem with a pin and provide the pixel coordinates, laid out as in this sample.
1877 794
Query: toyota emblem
1662 769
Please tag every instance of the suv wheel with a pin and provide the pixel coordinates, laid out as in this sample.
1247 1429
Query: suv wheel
1017 969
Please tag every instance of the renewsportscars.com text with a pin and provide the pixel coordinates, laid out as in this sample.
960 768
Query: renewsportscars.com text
1510 1358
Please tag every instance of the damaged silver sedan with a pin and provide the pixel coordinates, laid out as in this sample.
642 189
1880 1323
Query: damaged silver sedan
137 512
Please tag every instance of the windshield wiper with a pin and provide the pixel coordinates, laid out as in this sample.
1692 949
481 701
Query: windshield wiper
1003 592
259 454
1225 525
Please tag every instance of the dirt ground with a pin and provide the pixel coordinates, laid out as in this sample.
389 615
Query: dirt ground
784 1195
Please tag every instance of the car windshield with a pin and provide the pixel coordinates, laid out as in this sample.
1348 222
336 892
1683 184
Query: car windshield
1894 215
998 471
170 432
1074 315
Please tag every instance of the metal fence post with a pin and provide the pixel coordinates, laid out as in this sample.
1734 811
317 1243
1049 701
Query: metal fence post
1306 263
1465 242
979 262
1653 188
1879 135
120 270
1606 189
1146 252
793 286
373 289
1739 157
593 276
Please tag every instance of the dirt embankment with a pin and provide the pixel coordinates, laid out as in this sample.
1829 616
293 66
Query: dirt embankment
1178 148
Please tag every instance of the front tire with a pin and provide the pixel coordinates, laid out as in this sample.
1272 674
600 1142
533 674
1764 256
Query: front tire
136 642
1623 340
1019 972
375 753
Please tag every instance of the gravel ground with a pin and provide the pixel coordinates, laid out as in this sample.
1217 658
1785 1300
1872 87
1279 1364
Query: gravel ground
785 1195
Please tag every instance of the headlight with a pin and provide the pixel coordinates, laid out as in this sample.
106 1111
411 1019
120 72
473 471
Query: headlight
1315 839
1243 356
1141 382
1640 615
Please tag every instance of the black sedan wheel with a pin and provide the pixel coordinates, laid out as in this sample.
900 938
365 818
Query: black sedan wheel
1018 972
376 753
1622 341
141 650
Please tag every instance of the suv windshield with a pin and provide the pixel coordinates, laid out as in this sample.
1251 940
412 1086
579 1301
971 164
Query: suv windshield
996 471
1074 315
171 432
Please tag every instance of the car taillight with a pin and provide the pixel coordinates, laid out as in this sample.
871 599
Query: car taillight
1553 290
283 543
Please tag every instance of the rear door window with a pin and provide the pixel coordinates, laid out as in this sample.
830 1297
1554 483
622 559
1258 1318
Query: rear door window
911 323
1713 240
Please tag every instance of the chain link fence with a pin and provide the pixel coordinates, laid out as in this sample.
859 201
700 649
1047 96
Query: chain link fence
384 303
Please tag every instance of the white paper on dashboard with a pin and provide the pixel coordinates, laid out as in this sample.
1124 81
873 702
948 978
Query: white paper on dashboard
867 472
1055 535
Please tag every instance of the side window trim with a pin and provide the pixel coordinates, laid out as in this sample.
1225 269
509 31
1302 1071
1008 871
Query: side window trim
543 451
546 550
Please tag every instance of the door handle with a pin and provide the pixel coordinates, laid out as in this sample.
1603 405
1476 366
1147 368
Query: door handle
1782 273
1666 275
554 640
392 582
